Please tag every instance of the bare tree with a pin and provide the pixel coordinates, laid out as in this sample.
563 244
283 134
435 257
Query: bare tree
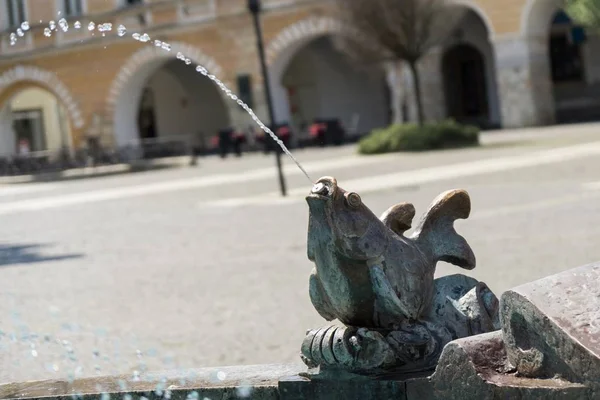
401 30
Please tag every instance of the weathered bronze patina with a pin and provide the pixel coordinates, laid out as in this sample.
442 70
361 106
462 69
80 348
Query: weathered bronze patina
380 284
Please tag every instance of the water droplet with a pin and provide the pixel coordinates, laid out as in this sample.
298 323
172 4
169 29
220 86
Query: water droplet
166 46
180 56
143 398
136 376
221 375
34 353
136 36
244 391
127 397
105 396
188 61
121 30
139 353
157 43
202 70
77 25
13 39
25 26
20 32
105 27
144 38
167 395
64 25
91 26
55 367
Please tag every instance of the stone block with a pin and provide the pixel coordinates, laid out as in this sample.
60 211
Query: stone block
552 326
477 368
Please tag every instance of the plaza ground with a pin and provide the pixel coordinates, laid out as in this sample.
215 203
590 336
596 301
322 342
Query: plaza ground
207 266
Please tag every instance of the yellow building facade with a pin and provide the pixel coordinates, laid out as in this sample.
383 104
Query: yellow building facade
511 63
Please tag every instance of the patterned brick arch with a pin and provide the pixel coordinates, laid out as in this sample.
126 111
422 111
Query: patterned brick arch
23 74
301 31
150 54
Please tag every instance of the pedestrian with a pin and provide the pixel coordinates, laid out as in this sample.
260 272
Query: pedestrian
239 138
225 139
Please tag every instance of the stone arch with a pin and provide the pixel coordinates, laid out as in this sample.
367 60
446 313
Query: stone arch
537 15
281 50
143 63
23 75
471 5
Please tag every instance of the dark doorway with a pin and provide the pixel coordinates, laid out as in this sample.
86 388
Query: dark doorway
29 129
146 116
465 85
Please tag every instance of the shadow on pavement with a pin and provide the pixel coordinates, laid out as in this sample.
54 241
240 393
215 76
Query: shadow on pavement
11 254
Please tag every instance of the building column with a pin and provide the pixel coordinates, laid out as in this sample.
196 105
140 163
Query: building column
432 87
8 142
524 82
395 80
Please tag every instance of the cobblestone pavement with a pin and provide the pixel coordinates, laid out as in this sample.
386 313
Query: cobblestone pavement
165 263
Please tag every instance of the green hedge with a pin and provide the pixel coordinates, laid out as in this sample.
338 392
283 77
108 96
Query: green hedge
411 137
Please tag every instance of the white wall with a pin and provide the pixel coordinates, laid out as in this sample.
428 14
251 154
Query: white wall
209 113
330 87
171 118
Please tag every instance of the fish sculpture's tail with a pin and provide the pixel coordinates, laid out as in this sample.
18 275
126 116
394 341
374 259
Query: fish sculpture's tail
435 234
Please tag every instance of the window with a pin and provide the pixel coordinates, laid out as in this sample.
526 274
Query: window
566 59
244 84
16 12
72 8
565 49
141 17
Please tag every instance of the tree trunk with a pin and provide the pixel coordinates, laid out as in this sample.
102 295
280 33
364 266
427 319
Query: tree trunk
417 84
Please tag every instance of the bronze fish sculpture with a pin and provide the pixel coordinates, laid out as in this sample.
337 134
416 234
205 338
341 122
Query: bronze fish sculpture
380 284
367 273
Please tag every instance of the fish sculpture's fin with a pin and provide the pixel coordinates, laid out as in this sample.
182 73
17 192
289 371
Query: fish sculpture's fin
399 217
435 234
388 304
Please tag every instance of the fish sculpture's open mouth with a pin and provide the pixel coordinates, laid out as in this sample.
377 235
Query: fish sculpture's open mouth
324 189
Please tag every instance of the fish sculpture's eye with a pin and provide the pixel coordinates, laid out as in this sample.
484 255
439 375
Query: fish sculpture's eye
353 200
320 188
